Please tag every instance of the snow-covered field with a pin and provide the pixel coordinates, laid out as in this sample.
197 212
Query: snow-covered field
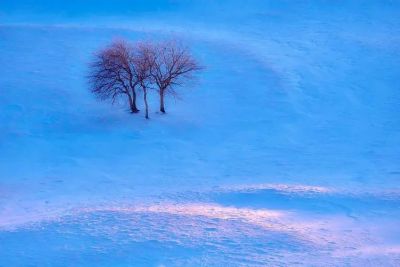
285 152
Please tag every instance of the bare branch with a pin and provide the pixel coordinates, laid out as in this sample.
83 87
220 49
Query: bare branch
173 66
112 73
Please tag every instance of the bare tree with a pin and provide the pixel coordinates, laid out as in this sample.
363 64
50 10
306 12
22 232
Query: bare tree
173 65
143 58
120 69
112 74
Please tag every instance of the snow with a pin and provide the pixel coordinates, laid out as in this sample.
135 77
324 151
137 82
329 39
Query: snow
285 151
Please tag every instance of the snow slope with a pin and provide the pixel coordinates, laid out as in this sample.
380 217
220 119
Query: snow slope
286 151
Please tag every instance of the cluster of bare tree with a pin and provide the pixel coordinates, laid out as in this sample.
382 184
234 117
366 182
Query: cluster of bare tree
124 69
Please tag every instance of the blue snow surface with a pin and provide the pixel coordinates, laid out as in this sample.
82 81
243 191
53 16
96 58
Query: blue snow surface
284 152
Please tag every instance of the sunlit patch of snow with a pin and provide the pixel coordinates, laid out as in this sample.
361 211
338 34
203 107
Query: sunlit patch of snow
213 240
211 230
314 231
390 252
271 220
207 210
284 188
298 189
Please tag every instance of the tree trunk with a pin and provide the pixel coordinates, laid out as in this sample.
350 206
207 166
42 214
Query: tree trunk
145 102
130 102
162 108
134 108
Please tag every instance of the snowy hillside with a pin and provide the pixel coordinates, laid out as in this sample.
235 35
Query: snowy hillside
286 151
